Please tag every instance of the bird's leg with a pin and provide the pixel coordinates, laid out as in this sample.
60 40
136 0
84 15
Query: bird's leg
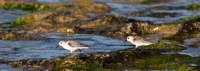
141 51
79 50
136 47
71 52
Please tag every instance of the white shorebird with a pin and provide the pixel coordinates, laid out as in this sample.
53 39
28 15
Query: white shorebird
72 45
138 41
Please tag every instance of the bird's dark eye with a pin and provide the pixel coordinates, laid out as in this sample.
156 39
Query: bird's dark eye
60 42
127 38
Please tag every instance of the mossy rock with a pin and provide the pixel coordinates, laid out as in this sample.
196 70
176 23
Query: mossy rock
164 14
171 47
21 36
190 29
16 64
25 6
65 15
155 1
103 22
122 59
166 61
193 6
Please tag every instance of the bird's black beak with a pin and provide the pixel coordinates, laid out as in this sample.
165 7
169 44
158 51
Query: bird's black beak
125 41
57 46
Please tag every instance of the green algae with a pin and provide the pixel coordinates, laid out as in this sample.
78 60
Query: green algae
166 61
190 28
8 36
147 1
190 18
171 47
68 5
193 6
18 22
77 64
25 6
127 59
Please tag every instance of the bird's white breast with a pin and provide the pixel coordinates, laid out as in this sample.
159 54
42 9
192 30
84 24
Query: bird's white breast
67 47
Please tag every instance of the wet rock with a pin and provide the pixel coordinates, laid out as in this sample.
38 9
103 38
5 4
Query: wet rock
16 64
86 61
190 29
91 7
21 36
109 25
123 59
168 7
194 6
170 47
194 42
156 1
164 14
62 19
120 31
103 22
54 21
114 26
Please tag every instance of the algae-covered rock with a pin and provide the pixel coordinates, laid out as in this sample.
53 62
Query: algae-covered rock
92 61
21 36
54 21
16 64
155 1
194 6
190 29
27 6
167 61
117 26
171 47
122 59
62 17
103 22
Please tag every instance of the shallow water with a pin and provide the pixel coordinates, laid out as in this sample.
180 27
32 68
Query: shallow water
126 9
41 49
10 15
19 50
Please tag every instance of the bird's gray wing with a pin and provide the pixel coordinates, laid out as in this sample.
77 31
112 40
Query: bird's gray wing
76 44
137 38
141 40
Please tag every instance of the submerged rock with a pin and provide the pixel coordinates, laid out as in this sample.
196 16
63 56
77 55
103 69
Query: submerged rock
21 36
163 14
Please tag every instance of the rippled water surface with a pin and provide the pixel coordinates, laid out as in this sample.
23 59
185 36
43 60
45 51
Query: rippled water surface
18 50
10 15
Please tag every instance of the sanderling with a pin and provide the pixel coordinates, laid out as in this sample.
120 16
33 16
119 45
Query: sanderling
72 45
138 41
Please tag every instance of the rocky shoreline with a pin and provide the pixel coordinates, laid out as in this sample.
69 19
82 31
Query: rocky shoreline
88 17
